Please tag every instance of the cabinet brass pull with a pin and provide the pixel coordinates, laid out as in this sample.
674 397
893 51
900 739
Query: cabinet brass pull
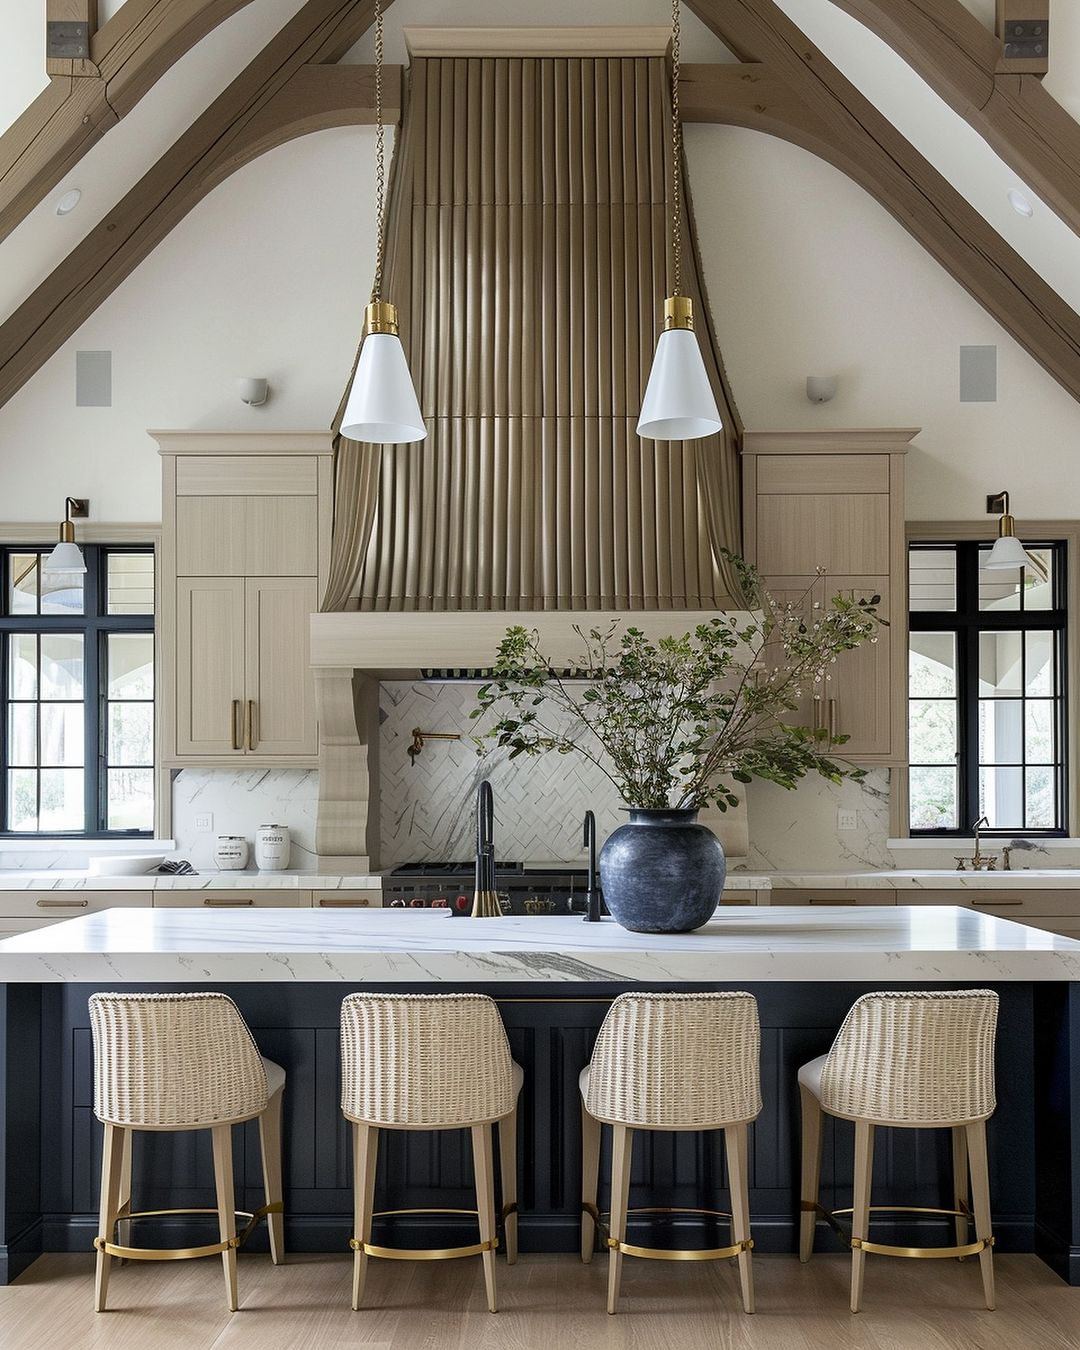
345 904
814 901
237 741
975 901
252 725
227 903
62 904
832 718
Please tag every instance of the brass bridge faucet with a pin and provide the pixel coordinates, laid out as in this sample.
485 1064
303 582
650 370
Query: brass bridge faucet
980 861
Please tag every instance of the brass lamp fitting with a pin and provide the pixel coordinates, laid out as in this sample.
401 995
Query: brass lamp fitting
678 312
999 502
380 317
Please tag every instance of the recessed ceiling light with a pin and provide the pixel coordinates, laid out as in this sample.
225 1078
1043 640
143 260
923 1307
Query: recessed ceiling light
1020 203
68 202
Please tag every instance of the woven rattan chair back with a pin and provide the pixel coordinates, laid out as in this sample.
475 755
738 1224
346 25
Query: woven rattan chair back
174 1061
677 1061
922 1058
424 1061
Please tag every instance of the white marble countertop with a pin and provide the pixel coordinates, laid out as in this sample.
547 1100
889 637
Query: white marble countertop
916 944
929 879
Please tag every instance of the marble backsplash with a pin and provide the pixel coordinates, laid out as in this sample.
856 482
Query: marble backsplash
240 800
797 830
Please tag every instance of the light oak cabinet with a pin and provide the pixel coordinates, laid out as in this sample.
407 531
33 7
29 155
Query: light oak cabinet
245 553
835 501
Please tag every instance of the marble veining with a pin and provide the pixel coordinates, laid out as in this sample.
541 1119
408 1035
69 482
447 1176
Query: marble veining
895 944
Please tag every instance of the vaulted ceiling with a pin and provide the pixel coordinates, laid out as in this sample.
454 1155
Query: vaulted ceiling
911 98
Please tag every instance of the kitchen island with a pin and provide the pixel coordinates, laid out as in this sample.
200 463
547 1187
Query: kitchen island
553 978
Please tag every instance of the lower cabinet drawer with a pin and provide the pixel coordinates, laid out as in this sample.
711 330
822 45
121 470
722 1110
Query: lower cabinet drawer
371 899
849 895
54 905
1006 903
232 898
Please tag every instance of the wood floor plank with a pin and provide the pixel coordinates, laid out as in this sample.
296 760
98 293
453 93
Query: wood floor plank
546 1303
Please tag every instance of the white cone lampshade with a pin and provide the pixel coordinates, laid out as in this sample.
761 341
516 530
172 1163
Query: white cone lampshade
382 405
1008 552
678 403
65 557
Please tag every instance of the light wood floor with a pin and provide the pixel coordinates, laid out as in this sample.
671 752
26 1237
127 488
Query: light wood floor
547 1303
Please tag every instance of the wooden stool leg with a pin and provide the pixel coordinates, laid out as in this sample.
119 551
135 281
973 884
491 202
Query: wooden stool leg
980 1193
123 1228
590 1171
811 1169
226 1203
111 1169
508 1173
270 1144
621 1153
365 1158
738 1166
960 1181
483 1165
860 1218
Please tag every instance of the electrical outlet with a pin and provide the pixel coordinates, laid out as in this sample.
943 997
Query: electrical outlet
204 823
847 820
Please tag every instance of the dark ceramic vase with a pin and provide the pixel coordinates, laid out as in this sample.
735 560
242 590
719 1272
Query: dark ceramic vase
662 872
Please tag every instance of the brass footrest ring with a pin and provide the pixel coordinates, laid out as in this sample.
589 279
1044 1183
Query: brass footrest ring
887 1249
668 1253
422 1253
184 1253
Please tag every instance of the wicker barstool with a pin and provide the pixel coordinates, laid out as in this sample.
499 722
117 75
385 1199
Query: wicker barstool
914 1061
430 1062
671 1062
181 1062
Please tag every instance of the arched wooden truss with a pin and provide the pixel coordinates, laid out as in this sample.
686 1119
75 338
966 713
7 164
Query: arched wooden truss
783 86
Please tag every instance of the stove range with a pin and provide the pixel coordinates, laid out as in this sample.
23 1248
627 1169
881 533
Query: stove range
521 889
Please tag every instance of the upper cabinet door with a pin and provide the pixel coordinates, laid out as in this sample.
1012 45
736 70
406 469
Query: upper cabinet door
846 533
247 536
280 715
209 665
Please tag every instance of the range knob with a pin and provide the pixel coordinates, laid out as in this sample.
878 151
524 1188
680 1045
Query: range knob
440 902
397 904
416 903
463 904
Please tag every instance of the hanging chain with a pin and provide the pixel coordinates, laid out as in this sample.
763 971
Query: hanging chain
676 151
380 166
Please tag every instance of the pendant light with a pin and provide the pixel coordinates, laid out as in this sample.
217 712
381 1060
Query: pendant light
67 556
679 404
382 407
1008 552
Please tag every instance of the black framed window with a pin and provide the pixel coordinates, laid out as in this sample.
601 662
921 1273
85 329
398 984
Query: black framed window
986 690
77 694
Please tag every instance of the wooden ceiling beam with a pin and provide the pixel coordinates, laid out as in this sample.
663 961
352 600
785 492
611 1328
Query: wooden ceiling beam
84 98
963 63
837 123
277 96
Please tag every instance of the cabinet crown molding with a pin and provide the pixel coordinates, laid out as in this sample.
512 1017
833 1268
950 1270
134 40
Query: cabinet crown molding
853 441
243 442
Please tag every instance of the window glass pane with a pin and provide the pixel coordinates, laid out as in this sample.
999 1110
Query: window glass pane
999 588
1041 656
22 734
22 665
131 733
1001 797
1000 669
62 592
932 665
61 665
131 665
1040 742
62 804
23 572
131 799
1001 731
932 727
22 799
933 799
1041 799
932 578
130 581
1039 579
63 734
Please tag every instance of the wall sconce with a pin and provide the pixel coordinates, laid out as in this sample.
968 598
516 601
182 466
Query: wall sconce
1008 552
67 556
821 388
254 390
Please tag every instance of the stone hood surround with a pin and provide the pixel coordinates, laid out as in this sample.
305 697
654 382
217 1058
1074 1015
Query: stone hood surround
890 945
351 651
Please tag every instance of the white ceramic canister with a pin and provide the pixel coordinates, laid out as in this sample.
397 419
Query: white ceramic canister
272 847
231 853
